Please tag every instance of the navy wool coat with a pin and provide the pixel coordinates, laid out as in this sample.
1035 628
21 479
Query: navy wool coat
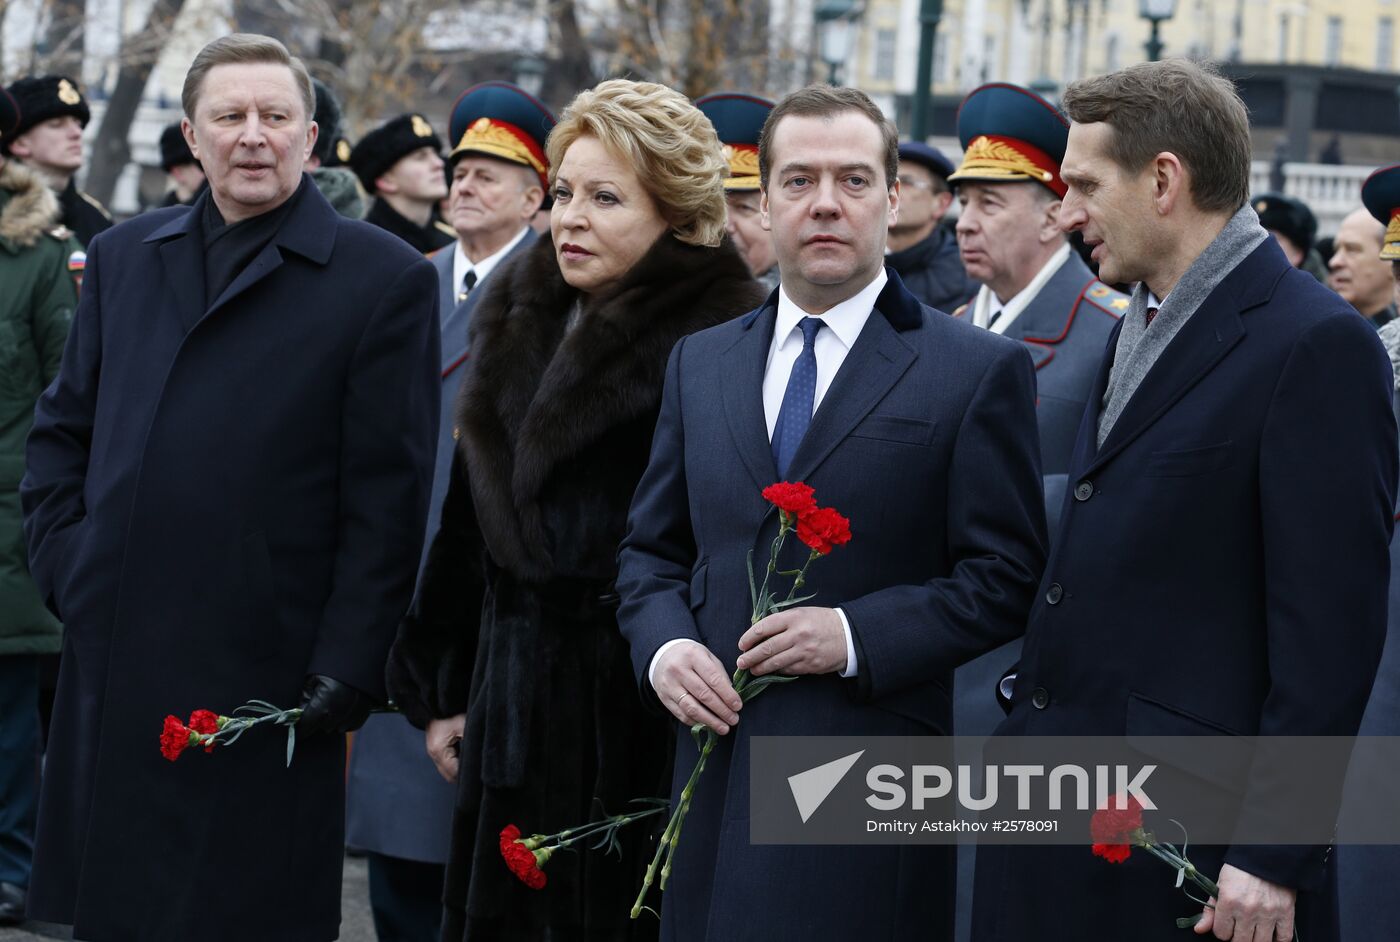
1221 568
926 441
220 502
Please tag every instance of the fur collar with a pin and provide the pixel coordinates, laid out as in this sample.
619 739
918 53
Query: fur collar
537 393
32 209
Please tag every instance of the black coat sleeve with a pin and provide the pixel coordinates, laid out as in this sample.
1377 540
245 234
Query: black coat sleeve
430 665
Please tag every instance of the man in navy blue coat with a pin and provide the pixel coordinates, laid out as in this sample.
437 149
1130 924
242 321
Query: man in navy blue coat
225 500
918 427
1221 565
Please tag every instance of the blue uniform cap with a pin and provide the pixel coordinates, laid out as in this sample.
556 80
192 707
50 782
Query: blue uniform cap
738 120
1009 133
501 120
1381 196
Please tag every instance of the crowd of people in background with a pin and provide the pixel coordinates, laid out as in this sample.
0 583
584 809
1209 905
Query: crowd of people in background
260 466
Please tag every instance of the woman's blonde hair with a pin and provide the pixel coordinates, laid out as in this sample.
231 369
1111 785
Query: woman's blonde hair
670 144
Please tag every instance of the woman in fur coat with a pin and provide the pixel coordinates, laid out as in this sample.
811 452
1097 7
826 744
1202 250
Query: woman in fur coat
511 657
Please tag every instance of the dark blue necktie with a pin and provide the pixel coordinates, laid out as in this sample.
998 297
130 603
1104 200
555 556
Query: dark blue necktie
796 413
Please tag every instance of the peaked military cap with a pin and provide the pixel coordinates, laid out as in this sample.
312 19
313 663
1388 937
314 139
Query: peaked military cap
501 120
927 156
389 143
1010 133
738 120
40 98
1288 216
174 151
1381 196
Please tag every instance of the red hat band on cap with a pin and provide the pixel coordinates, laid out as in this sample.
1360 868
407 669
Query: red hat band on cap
994 156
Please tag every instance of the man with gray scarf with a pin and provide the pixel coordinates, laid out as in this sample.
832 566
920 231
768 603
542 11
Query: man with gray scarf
1222 559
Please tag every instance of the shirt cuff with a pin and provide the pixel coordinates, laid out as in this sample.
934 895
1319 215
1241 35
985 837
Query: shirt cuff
651 669
851 667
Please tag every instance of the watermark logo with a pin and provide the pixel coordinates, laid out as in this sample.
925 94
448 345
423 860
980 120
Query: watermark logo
812 787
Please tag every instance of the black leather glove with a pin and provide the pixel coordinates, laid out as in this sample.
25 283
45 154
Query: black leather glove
329 706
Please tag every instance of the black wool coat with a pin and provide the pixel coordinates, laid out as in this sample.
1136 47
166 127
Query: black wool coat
515 621
219 501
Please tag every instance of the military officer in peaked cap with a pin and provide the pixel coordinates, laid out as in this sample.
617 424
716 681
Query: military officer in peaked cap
49 140
1035 289
399 806
922 249
1369 907
400 164
738 120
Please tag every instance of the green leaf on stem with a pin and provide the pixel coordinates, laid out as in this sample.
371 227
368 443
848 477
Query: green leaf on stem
753 587
788 603
291 744
760 684
697 733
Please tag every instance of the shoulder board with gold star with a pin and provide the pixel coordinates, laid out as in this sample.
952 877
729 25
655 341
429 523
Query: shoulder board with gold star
1106 299
98 206
61 233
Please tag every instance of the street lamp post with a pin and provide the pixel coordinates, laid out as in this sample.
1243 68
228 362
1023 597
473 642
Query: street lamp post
835 33
1155 11
930 12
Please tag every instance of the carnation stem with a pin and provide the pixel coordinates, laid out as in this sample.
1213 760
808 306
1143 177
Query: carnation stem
686 794
668 837
574 835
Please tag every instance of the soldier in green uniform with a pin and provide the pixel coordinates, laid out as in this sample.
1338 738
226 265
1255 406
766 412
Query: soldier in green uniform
37 297
49 140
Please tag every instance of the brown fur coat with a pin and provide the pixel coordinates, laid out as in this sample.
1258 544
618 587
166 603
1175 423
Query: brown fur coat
514 624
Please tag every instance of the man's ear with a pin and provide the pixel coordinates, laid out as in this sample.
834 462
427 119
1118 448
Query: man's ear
763 218
1170 183
1050 222
20 148
187 132
313 131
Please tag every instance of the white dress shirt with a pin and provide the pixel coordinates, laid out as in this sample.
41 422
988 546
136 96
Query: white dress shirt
843 324
461 264
986 305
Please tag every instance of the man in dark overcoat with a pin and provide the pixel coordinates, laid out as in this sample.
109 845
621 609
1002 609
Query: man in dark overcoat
919 428
225 500
1221 565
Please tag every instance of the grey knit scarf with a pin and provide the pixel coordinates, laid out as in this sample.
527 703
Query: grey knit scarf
1139 346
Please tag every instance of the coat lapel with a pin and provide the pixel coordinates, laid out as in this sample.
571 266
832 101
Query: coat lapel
182 263
741 372
1202 342
877 360
308 231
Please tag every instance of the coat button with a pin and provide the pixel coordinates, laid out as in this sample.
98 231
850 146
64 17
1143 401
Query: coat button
1055 593
1084 491
1040 698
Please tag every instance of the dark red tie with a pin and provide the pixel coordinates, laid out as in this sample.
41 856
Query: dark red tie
1151 313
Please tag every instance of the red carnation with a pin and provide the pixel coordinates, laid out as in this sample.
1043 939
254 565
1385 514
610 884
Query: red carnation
795 498
206 723
822 529
1114 829
174 738
522 861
